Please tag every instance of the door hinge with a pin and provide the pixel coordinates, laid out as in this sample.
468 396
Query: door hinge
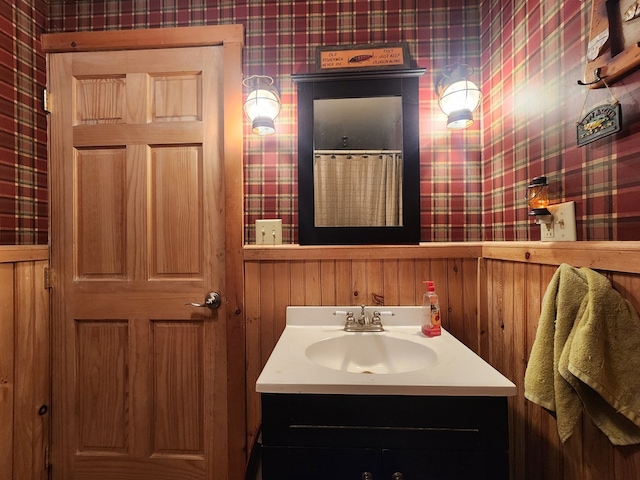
47 277
46 101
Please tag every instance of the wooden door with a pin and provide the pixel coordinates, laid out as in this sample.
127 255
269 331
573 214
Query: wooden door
139 201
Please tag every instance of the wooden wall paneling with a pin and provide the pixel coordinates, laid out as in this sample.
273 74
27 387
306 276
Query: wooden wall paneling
595 445
253 346
343 283
281 279
629 287
311 281
267 298
375 281
484 297
626 460
467 274
42 371
390 283
455 299
534 457
408 293
24 410
496 314
32 371
495 306
518 358
297 284
328 282
359 282
7 361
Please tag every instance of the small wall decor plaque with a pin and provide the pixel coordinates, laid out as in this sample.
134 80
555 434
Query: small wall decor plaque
383 56
602 121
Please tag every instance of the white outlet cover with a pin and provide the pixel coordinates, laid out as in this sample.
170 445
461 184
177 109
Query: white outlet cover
269 232
563 228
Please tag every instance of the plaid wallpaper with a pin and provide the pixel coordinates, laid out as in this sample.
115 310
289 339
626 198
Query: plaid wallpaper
529 55
23 152
532 57
281 39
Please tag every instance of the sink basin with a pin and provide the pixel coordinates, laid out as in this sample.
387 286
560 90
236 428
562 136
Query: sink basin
371 353
314 355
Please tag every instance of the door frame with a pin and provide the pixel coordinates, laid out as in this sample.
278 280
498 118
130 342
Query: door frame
231 38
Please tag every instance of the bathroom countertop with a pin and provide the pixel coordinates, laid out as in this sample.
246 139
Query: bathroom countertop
458 371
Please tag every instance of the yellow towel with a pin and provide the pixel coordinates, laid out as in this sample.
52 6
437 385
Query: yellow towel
586 354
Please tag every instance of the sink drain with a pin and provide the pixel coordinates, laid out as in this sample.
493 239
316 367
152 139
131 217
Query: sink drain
367 371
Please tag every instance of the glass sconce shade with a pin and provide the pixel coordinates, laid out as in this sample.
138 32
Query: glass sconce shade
262 105
458 96
538 196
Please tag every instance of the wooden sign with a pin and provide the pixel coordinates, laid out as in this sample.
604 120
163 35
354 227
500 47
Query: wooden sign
362 57
602 121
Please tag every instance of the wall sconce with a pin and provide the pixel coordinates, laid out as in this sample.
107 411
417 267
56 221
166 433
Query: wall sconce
458 96
262 105
538 199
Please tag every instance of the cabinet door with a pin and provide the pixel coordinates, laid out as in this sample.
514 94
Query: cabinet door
294 463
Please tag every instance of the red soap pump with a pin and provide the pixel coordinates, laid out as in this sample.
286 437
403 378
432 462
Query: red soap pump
431 323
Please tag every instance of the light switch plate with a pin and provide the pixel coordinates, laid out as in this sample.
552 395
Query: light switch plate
269 232
563 224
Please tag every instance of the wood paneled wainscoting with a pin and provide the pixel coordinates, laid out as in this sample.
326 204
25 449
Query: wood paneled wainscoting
491 295
24 363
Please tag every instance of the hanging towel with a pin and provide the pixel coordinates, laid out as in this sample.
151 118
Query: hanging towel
586 354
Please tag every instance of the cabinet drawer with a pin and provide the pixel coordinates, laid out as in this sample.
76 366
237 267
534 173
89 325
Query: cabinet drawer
459 423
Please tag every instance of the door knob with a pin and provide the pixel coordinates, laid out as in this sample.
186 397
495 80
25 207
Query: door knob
397 476
211 301
367 476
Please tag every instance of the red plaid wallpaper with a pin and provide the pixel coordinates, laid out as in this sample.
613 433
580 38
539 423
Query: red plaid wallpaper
533 54
528 54
23 151
281 39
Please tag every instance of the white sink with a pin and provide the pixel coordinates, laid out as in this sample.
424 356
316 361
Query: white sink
371 353
315 355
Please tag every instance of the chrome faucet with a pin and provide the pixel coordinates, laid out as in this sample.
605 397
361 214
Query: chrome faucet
363 323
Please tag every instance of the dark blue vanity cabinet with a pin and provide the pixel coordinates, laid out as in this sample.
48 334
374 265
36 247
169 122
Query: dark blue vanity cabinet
355 437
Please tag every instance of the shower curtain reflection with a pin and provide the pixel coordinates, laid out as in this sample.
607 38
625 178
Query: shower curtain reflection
357 189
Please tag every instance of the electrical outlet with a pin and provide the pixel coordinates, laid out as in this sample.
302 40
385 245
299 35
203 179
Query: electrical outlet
563 223
269 232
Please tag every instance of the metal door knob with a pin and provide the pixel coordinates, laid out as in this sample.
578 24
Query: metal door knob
211 301
367 476
397 476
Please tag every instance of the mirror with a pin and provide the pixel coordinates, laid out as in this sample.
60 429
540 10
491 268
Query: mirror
358 157
357 142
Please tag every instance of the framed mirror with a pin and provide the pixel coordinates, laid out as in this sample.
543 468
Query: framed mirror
358 157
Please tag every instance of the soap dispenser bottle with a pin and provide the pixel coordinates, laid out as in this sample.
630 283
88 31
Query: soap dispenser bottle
431 323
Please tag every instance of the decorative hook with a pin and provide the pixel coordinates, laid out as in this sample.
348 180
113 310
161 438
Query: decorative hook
598 79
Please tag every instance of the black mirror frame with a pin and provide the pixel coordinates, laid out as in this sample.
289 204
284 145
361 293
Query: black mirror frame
316 86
